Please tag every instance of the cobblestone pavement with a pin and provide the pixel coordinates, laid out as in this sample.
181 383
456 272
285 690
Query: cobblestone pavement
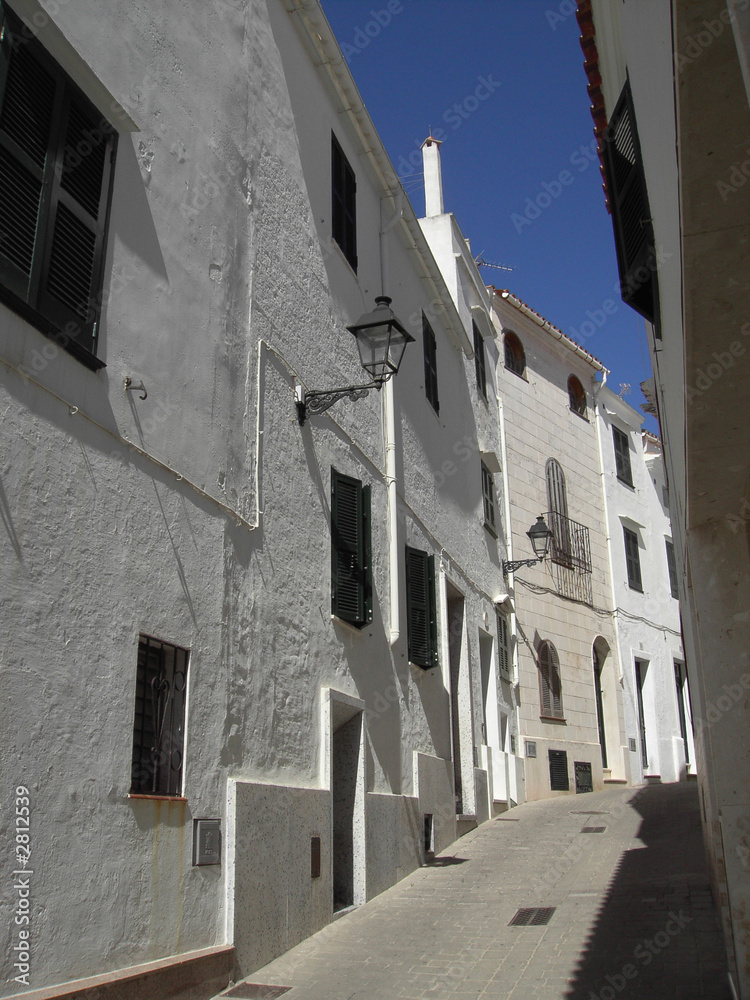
634 917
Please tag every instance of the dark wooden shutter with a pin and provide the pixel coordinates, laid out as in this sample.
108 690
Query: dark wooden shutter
480 361
558 771
622 456
633 560
72 268
488 499
343 203
550 683
56 154
350 570
631 218
420 608
429 345
503 646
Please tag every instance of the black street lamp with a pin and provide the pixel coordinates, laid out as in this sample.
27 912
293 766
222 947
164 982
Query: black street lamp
381 340
541 537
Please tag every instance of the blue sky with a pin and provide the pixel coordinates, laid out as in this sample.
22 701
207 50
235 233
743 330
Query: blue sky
504 81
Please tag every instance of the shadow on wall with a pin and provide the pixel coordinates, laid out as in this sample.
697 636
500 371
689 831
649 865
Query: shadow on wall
657 933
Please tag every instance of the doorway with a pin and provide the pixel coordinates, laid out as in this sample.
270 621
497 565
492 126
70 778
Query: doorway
455 602
600 705
347 795
641 666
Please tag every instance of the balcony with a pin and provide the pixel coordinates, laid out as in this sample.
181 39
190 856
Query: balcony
570 557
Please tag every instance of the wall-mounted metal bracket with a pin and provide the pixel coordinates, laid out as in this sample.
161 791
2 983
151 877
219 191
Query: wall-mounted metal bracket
130 386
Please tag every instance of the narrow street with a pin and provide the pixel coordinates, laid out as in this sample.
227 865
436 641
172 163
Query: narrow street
623 870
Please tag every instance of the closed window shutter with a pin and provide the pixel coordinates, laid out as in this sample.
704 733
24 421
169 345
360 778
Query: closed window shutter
634 234
503 655
622 456
550 682
479 361
56 156
429 345
72 270
420 608
488 498
350 570
343 203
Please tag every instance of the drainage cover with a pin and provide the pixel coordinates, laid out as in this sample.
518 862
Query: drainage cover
256 991
593 829
588 812
532 916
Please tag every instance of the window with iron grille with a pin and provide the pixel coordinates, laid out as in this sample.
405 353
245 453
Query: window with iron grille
633 560
421 614
159 725
515 356
488 500
480 364
576 396
56 163
550 683
503 645
672 566
631 218
622 456
351 571
429 345
344 203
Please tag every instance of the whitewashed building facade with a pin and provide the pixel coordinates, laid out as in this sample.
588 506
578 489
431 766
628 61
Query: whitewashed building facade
250 667
656 701
669 86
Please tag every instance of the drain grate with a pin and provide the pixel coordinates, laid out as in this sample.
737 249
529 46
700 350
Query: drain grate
256 991
588 812
532 916
593 829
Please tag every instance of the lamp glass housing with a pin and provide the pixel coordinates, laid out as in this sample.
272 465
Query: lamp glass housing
541 537
381 340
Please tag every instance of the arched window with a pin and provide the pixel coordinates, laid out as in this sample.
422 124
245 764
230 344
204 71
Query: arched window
515 358
550 685
558 509
577 396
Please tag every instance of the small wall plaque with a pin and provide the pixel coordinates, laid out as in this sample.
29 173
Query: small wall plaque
207 842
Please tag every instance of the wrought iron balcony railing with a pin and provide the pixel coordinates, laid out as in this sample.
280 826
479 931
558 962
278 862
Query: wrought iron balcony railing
570 553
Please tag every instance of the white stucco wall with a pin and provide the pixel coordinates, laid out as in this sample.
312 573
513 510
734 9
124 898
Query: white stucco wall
200 515
648 622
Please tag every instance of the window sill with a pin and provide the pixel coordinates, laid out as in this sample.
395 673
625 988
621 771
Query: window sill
157 798
625 482
48 329
356 629
638 590
490 529
521 375
553 718
581 415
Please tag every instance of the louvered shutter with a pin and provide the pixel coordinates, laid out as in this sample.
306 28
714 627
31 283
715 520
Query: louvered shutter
420 608
56 156
550 684
631 218
343 203
503 650
350 570
480 361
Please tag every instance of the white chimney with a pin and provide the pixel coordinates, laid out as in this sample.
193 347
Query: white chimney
433 178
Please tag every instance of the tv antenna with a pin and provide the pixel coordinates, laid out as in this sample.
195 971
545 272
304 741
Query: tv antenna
481 261
625 389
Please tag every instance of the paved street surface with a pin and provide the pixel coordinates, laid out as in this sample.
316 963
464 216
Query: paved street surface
633 913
